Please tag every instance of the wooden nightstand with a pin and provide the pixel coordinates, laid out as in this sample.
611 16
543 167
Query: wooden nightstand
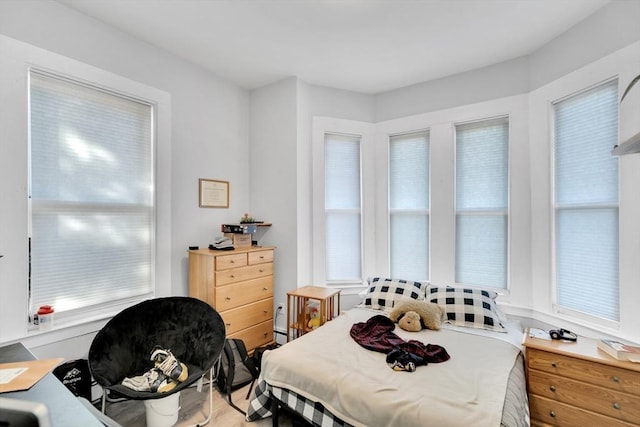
575 384
328 306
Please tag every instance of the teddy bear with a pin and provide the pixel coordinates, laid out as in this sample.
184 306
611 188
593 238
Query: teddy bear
413 316
314 321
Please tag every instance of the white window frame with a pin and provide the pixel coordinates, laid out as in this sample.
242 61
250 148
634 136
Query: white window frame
375 178
557 308
441 126
15 59
56 206
506 211
624 65
363 130
426 212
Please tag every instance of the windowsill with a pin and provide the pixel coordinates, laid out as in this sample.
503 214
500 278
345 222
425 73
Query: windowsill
350 290
555 320
64 330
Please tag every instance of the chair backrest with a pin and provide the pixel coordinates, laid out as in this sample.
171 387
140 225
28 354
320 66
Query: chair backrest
189 327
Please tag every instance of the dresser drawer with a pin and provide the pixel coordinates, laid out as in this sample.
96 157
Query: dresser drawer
553 413
255 336
612 403
260 257
594 373
248 315
230 261
224 262
232 296
235 275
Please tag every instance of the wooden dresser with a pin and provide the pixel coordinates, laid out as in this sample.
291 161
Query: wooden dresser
239 285
575 384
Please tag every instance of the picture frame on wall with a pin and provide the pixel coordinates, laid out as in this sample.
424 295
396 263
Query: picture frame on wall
213 193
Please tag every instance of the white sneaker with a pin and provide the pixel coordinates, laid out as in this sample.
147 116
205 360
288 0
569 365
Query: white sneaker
168 364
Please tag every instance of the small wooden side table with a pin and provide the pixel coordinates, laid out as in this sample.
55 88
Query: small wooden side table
298 308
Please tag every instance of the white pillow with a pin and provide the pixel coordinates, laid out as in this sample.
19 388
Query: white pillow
383 293
473 308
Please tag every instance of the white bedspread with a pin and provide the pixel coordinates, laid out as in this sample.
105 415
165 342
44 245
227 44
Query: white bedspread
356 384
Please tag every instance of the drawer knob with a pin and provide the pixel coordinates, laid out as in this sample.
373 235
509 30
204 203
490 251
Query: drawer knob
261 271
228 298
552 388
554 364
552 414
616 405
615 379
265 289
232 262
232 276
266 311
261 256
228 324
265 334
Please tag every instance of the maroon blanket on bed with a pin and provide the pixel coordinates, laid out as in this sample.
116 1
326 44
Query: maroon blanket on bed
377 334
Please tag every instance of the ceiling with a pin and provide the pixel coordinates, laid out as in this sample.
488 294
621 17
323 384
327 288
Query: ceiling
367 46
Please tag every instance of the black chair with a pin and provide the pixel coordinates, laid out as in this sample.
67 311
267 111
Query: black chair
189 327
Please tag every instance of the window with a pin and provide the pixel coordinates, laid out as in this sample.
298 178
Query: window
586 202
481 197
342 204
409 206
91 195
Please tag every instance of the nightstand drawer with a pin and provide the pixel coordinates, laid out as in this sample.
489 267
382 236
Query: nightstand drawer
559 414
241 274
232 296
612 403
247 315
594 373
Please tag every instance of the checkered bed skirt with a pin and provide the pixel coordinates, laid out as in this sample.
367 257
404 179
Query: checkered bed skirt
313 412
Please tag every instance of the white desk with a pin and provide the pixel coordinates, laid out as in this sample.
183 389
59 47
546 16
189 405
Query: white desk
64 408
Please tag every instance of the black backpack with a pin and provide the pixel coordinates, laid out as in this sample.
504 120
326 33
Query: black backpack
76 376
236 369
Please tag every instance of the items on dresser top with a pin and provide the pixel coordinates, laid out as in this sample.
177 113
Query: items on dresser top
238 283
576 384
620 350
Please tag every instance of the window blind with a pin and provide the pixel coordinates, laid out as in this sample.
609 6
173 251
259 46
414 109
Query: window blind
409 206
482 192
91 195
343 208
586 202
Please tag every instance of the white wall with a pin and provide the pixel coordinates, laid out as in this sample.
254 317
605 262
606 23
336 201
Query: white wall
209 130
280 169
492 82
273 177
609 29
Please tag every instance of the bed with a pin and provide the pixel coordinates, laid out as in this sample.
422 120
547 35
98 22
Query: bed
330 380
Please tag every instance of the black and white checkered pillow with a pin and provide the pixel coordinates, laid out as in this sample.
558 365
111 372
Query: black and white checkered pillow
474 308
383 293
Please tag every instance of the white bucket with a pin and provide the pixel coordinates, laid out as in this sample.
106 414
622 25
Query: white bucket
163 412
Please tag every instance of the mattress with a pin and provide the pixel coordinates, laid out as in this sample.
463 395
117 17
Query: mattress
331 381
